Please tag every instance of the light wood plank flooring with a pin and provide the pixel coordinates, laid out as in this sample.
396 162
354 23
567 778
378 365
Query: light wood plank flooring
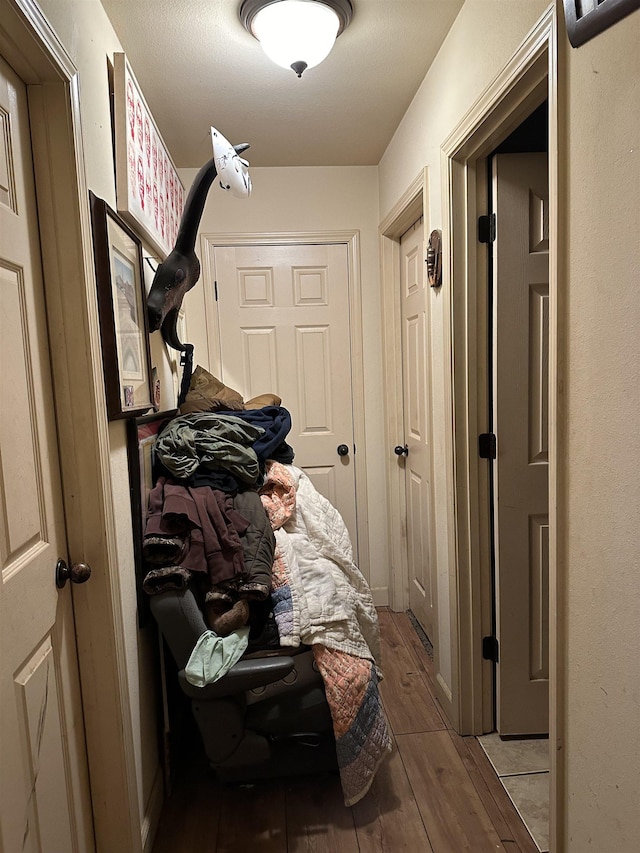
436 793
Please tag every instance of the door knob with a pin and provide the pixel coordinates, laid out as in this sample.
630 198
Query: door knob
78 573
343 450
401 451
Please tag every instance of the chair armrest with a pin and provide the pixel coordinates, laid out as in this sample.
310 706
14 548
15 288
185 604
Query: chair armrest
245 675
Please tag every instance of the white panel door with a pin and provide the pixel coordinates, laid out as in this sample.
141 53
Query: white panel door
283 314
44 801
521 383
416 375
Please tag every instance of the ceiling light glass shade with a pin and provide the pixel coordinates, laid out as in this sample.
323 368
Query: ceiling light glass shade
296 33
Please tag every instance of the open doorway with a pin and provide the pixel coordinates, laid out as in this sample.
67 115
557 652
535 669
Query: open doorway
525 84
518 415
517 235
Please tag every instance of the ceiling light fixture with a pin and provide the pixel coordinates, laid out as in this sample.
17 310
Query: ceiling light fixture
296 34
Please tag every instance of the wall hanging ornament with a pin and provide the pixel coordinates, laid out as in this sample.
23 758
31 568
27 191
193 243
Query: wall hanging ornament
434 259
181 269
179 272
149 192
117 252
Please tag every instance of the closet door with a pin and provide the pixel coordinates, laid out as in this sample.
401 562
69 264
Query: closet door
283 313
521 469
417 426
44 794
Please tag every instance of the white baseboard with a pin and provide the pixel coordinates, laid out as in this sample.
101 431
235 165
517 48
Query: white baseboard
153 811
445 688
445 698
380 596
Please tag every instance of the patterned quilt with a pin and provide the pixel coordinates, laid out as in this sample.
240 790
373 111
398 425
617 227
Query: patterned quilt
321 599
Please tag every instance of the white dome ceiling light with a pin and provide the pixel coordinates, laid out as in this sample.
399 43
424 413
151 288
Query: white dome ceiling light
296 34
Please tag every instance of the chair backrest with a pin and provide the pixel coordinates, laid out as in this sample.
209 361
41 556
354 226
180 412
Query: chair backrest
180 620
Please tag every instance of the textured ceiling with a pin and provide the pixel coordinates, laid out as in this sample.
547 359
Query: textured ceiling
197 66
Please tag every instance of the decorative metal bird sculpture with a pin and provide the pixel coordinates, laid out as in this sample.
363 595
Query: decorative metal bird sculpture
181 269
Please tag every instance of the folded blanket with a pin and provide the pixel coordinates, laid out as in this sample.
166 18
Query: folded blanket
362 734
320 598
286 609
278 497
334 600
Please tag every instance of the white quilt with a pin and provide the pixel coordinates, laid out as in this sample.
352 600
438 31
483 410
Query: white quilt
332 599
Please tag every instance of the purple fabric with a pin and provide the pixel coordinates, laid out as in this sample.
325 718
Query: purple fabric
207 523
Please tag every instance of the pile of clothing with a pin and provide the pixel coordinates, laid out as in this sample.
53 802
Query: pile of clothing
234 519
206 525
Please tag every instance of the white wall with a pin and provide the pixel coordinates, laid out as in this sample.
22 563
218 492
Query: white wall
483 37
600 466
600 187
600 410
301 199
87 35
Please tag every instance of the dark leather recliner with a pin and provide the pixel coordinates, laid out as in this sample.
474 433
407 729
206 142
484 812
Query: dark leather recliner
268 716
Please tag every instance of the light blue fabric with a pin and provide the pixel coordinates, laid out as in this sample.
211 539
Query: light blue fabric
213 656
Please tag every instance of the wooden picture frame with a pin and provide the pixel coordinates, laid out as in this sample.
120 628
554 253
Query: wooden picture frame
142 434
123 315
149 193
586 18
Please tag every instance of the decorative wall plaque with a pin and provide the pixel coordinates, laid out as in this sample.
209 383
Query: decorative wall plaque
150 195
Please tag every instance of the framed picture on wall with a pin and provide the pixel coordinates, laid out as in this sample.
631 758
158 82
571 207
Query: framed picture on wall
142 434
123 315
150 195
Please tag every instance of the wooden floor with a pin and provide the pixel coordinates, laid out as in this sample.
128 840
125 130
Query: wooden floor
436 793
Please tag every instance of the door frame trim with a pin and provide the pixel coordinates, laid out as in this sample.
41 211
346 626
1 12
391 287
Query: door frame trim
413 204
529 77
31 46
409 208
208 242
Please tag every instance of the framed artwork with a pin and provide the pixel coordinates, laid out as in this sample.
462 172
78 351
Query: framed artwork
142 433
586 18
150 195
123 316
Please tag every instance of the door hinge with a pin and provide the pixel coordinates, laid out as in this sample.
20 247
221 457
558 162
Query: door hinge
487 228
490 649
487 445
215 290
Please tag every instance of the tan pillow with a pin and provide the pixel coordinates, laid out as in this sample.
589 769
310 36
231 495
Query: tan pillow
206 394
263 400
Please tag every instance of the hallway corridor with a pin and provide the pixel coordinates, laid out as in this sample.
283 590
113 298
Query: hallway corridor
437 793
